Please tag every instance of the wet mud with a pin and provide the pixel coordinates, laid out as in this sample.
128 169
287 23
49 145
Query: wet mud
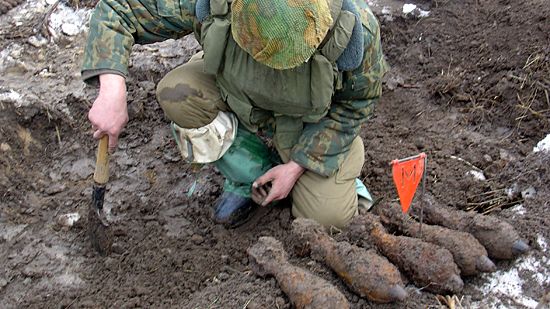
468 86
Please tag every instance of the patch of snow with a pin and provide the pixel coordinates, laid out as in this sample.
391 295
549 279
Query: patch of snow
56 252
10 53
512 191
69 219
528 193
477 175
386 10
37 41
70 29
542 243
541 273
10 96
9 231
69 21
5 147
507 283
543 145
69 280
422 13
387 13
408 8
519 209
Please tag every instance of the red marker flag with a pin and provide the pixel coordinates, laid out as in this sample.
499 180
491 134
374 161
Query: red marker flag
407 174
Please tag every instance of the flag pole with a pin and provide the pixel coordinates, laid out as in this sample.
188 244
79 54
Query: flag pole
423 191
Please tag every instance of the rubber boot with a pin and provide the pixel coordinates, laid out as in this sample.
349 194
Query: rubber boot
247 159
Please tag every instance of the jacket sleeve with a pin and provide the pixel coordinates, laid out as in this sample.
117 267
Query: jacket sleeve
116 25
324 145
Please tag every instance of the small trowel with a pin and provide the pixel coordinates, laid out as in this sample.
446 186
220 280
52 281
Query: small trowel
98 226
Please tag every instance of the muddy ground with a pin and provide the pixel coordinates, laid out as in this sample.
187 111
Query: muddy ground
469 86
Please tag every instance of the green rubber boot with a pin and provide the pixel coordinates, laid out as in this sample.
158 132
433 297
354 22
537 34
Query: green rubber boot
247 159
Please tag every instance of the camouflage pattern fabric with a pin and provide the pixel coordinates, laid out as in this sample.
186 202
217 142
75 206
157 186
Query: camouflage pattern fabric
117 24
322 147
280 34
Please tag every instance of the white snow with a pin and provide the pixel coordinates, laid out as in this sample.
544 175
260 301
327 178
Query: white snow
519 209
477 175
37 41
412 8
508 284
10 96
422 13
70 29
542 243
543 145
9 231
68 279
512 191
386 10
408 8
69 219
68 21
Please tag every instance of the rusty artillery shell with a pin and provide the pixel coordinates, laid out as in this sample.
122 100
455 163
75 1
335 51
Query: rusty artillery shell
499 237
304 289
364 271
429 266
468 253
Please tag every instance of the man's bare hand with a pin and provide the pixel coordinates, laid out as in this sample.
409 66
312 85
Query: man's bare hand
276 183
109 113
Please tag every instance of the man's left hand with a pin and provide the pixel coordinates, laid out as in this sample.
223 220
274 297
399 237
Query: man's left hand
282 178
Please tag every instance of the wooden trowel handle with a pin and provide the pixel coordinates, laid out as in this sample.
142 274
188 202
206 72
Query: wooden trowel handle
101 174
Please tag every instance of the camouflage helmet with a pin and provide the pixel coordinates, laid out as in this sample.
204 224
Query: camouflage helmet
280 34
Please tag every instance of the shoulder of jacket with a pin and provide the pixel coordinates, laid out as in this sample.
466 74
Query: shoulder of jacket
367 16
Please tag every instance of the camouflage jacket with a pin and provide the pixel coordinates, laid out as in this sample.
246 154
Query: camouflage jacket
117 24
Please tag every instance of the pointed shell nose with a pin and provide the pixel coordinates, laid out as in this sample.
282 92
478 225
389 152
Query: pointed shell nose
397 293
455 283
520 247
484 264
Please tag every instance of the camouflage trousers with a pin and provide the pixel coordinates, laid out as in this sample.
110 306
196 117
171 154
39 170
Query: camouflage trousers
191 99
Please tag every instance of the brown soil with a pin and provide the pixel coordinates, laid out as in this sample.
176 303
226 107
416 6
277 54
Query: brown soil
469 86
